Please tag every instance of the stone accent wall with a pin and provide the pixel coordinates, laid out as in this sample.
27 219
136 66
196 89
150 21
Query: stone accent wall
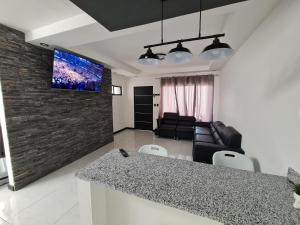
47 128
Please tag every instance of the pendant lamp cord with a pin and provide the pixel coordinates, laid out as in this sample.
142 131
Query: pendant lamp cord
162 21
200 17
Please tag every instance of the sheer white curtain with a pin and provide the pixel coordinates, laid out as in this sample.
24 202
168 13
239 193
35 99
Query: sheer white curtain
168 96
189 96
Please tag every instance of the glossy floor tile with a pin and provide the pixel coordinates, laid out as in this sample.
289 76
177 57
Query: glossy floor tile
71 217
2 222
53 199
133 140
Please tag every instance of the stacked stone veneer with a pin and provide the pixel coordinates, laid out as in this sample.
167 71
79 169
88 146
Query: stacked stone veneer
47 128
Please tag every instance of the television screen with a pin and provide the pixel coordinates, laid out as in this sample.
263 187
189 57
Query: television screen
75 73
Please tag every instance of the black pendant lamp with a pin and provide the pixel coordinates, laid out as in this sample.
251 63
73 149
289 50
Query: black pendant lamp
179 54
149 58
216 51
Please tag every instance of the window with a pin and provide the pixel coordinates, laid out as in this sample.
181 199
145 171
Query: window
116 90
188 96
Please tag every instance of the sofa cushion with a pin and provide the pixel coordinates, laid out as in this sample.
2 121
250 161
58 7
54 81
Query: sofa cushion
169 121
204 138
186 121
187 118
231 137
202 130
185 132
172 116
167 127
185 129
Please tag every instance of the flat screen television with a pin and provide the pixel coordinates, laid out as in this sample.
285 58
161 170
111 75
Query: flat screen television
73 72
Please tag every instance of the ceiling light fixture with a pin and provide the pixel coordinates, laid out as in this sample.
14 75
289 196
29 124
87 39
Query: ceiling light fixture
216 51
149 58
179 54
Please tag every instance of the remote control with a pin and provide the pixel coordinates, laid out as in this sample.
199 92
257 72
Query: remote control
123 152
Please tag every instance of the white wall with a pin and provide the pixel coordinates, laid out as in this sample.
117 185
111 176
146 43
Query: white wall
260 91
120 103
123 106
135 82
216 102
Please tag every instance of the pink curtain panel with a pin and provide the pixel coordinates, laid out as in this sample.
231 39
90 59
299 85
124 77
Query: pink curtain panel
189 96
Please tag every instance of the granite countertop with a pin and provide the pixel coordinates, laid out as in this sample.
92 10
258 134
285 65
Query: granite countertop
232 197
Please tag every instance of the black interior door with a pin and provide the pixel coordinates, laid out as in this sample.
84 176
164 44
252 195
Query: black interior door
143 108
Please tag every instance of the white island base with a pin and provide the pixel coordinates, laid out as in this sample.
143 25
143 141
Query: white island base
100 205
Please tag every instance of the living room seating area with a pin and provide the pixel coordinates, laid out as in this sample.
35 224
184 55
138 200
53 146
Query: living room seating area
208 137
174 126
149 112
213 137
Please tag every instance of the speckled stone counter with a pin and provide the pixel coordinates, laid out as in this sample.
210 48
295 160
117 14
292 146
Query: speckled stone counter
232 197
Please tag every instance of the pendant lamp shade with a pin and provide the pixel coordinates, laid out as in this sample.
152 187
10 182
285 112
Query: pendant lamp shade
217 51
149 58
179 55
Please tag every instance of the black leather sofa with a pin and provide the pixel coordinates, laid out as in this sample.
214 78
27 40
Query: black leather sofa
212 137
174 126
166 126
185 127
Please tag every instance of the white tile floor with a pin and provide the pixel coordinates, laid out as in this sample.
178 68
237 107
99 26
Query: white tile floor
52 200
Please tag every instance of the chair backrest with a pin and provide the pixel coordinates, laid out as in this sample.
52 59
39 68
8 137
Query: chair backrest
154 150
233 159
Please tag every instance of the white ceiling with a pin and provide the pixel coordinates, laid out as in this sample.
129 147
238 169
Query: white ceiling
61 24
26 15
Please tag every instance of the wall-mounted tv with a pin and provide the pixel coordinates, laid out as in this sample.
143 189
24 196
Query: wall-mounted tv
73 72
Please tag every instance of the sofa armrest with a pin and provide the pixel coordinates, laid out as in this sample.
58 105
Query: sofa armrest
211 146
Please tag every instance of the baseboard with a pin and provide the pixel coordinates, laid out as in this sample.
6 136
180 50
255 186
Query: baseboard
3 181
118 131
129 128
12 188
125 128
3 178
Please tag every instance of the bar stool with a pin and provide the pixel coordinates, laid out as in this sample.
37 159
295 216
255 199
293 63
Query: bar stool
154 150
233 159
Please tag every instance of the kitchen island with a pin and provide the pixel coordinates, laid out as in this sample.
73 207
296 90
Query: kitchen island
145 189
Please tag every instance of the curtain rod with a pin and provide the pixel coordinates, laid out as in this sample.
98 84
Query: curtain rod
192 73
